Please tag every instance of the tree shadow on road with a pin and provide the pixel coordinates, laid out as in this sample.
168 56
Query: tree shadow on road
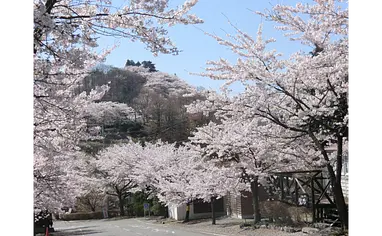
221 222
84 230
119 218
227 224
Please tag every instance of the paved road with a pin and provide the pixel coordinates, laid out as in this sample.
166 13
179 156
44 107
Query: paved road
131 227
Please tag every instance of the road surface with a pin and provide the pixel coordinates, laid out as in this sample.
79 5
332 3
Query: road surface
119 227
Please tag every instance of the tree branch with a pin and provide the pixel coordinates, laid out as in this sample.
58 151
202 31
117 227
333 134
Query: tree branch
275 120
120 15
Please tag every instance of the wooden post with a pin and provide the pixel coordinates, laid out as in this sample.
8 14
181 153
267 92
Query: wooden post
282 187
287 186
296 191
313 201
213 210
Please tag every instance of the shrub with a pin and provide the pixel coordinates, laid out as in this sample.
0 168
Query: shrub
87 215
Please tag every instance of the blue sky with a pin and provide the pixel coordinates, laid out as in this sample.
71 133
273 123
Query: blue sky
197 48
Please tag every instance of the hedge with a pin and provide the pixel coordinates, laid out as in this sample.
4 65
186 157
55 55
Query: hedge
87 215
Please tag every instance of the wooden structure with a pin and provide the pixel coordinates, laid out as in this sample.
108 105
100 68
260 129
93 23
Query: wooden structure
299 196
310 188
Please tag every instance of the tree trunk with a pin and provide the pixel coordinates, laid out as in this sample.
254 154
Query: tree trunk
121 206
341 205
213 210
187 218
92 204
335 178
166 214
338 195
255 200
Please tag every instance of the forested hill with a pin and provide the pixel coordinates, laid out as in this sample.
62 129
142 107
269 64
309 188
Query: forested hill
156 97
127 83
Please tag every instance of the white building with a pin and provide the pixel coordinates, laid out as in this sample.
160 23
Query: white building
345 177
198 210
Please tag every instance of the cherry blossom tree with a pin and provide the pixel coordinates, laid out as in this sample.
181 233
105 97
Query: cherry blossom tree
211 182
153 158
90 192
51 179
162 82
243 147
177 175
115 165
59 179
92 200
174 180
80 21
65 41
161 104
109 113
153 167
303 98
